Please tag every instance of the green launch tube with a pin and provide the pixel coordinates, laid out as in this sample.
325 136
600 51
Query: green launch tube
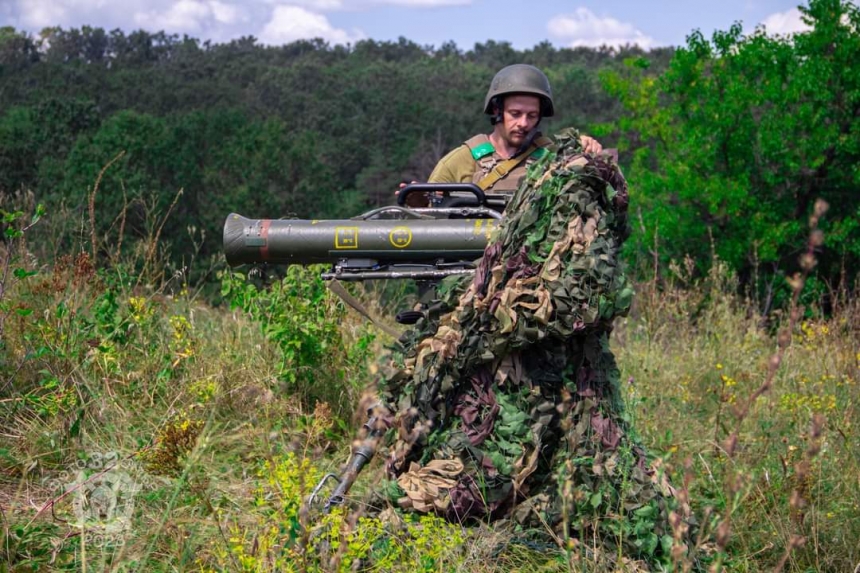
385 241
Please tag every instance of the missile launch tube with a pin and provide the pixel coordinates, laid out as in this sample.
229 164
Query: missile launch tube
297 241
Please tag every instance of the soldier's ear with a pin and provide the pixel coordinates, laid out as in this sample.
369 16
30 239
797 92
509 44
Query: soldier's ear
496 106
545 107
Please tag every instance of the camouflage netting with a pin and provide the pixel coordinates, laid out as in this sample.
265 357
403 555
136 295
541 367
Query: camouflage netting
509 406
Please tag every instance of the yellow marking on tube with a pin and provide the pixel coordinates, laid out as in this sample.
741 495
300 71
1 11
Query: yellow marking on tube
490 228
400 237
478 223
345 238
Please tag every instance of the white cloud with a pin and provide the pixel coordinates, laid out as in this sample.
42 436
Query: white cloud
312 5
191 16
584 28
37 14
225 13
424 3
333 5
291 23
213 19
185 15
788 22
40 13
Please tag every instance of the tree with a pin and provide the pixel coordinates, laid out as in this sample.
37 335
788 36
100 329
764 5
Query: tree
735 141
17 51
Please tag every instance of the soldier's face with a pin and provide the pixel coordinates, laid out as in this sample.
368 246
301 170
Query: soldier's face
520 115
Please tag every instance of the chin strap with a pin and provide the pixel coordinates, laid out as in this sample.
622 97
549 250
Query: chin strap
528 141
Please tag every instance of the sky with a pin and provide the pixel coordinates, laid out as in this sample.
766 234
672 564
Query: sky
523 23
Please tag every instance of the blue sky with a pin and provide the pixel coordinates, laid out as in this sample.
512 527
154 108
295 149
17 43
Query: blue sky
524 23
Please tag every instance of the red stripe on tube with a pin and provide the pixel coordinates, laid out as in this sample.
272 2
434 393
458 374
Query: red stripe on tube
264 234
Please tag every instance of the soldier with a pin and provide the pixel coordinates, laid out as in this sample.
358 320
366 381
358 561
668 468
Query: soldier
518 98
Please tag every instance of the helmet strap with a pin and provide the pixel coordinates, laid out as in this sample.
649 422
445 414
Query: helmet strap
527 142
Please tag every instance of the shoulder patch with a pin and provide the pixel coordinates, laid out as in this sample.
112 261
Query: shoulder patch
539 152
482 150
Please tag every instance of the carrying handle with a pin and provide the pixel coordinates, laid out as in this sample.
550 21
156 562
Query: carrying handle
447 187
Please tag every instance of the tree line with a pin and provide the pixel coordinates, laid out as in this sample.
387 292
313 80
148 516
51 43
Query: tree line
304 129
727 141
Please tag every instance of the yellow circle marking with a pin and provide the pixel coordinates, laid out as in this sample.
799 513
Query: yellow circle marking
400 237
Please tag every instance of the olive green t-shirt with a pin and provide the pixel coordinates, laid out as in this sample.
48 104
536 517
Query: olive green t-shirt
461 165
457 166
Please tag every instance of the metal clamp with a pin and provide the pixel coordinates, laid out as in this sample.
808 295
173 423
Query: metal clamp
314 497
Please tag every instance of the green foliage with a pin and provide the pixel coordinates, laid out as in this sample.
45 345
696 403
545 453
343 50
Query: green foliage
91 321
282 539
30 547
306 129
14 229
62 324
734 142
303 319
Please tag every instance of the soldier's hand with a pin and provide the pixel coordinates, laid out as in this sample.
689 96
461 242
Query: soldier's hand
415 199
589 144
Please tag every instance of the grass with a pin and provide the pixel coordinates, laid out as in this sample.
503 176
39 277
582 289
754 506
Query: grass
794 473
221 420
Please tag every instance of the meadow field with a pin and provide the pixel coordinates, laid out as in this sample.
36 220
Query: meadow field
209 422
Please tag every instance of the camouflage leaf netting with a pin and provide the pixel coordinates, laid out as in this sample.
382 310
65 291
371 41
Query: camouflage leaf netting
509 405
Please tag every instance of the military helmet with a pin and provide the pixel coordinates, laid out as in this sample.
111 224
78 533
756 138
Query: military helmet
520 79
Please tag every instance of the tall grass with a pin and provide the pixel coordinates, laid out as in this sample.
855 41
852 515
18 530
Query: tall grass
224 417
694 354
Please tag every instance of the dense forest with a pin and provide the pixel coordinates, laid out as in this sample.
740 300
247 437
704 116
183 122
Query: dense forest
727 141
306 129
